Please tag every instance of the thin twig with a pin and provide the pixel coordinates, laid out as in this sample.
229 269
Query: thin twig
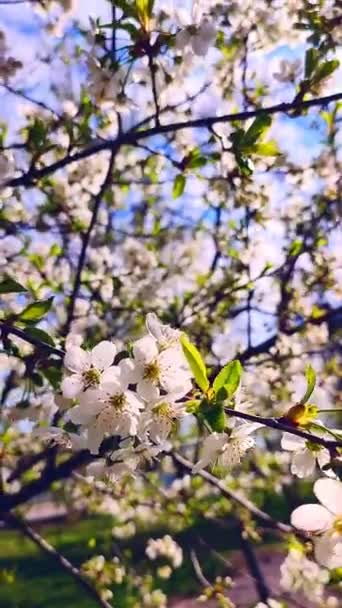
231 495
38 540
85 243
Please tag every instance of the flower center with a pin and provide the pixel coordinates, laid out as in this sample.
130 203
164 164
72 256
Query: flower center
118 401
338 525
91 377
164 410
151 371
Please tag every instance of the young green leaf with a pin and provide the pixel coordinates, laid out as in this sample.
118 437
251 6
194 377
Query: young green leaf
228 378
267 148
39 334
178 185
196 363
310 376
216 418
325 70
35 311
9 285
311 60
257 130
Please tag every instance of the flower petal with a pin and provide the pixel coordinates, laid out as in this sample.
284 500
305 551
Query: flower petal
245 429
328 551
292 442
147 391
71 386
102 355
303 463
329 494
311 518
131 372
76 359
145 349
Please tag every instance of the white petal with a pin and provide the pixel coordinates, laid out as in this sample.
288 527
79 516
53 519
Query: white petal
111 374
292 442
182 39
328 551
329 494
131 372
311 518
145 349
76 359
71 386
200 46
102 355
212 446
303 463
94 440
243 430
147 391
97 468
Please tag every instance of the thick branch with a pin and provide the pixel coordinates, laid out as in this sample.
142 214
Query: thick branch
38 540
133 136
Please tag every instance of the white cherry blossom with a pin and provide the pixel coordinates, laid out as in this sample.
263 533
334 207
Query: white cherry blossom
153 369
88 369
198 31
325 520
227 450
305 456
157 420
111 410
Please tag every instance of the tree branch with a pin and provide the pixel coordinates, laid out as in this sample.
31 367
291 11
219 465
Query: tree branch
231 495
274 423
133 136
85 243
38 540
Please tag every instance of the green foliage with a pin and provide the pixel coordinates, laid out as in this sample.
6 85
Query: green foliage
35 312
178 185
228 378
9 285
39 334
256 131
213 415
310 376
196 363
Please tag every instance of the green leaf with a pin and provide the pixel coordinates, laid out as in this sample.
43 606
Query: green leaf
295 248
311 60
39 334
196 363
35 311
325 69
228 378
267 148
9 285
310 376
257 130
53 375
216 418
178 185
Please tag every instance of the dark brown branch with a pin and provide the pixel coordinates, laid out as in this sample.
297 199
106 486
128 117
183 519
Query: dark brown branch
38 540
252 564
133 136
7 329
274 423
85 243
